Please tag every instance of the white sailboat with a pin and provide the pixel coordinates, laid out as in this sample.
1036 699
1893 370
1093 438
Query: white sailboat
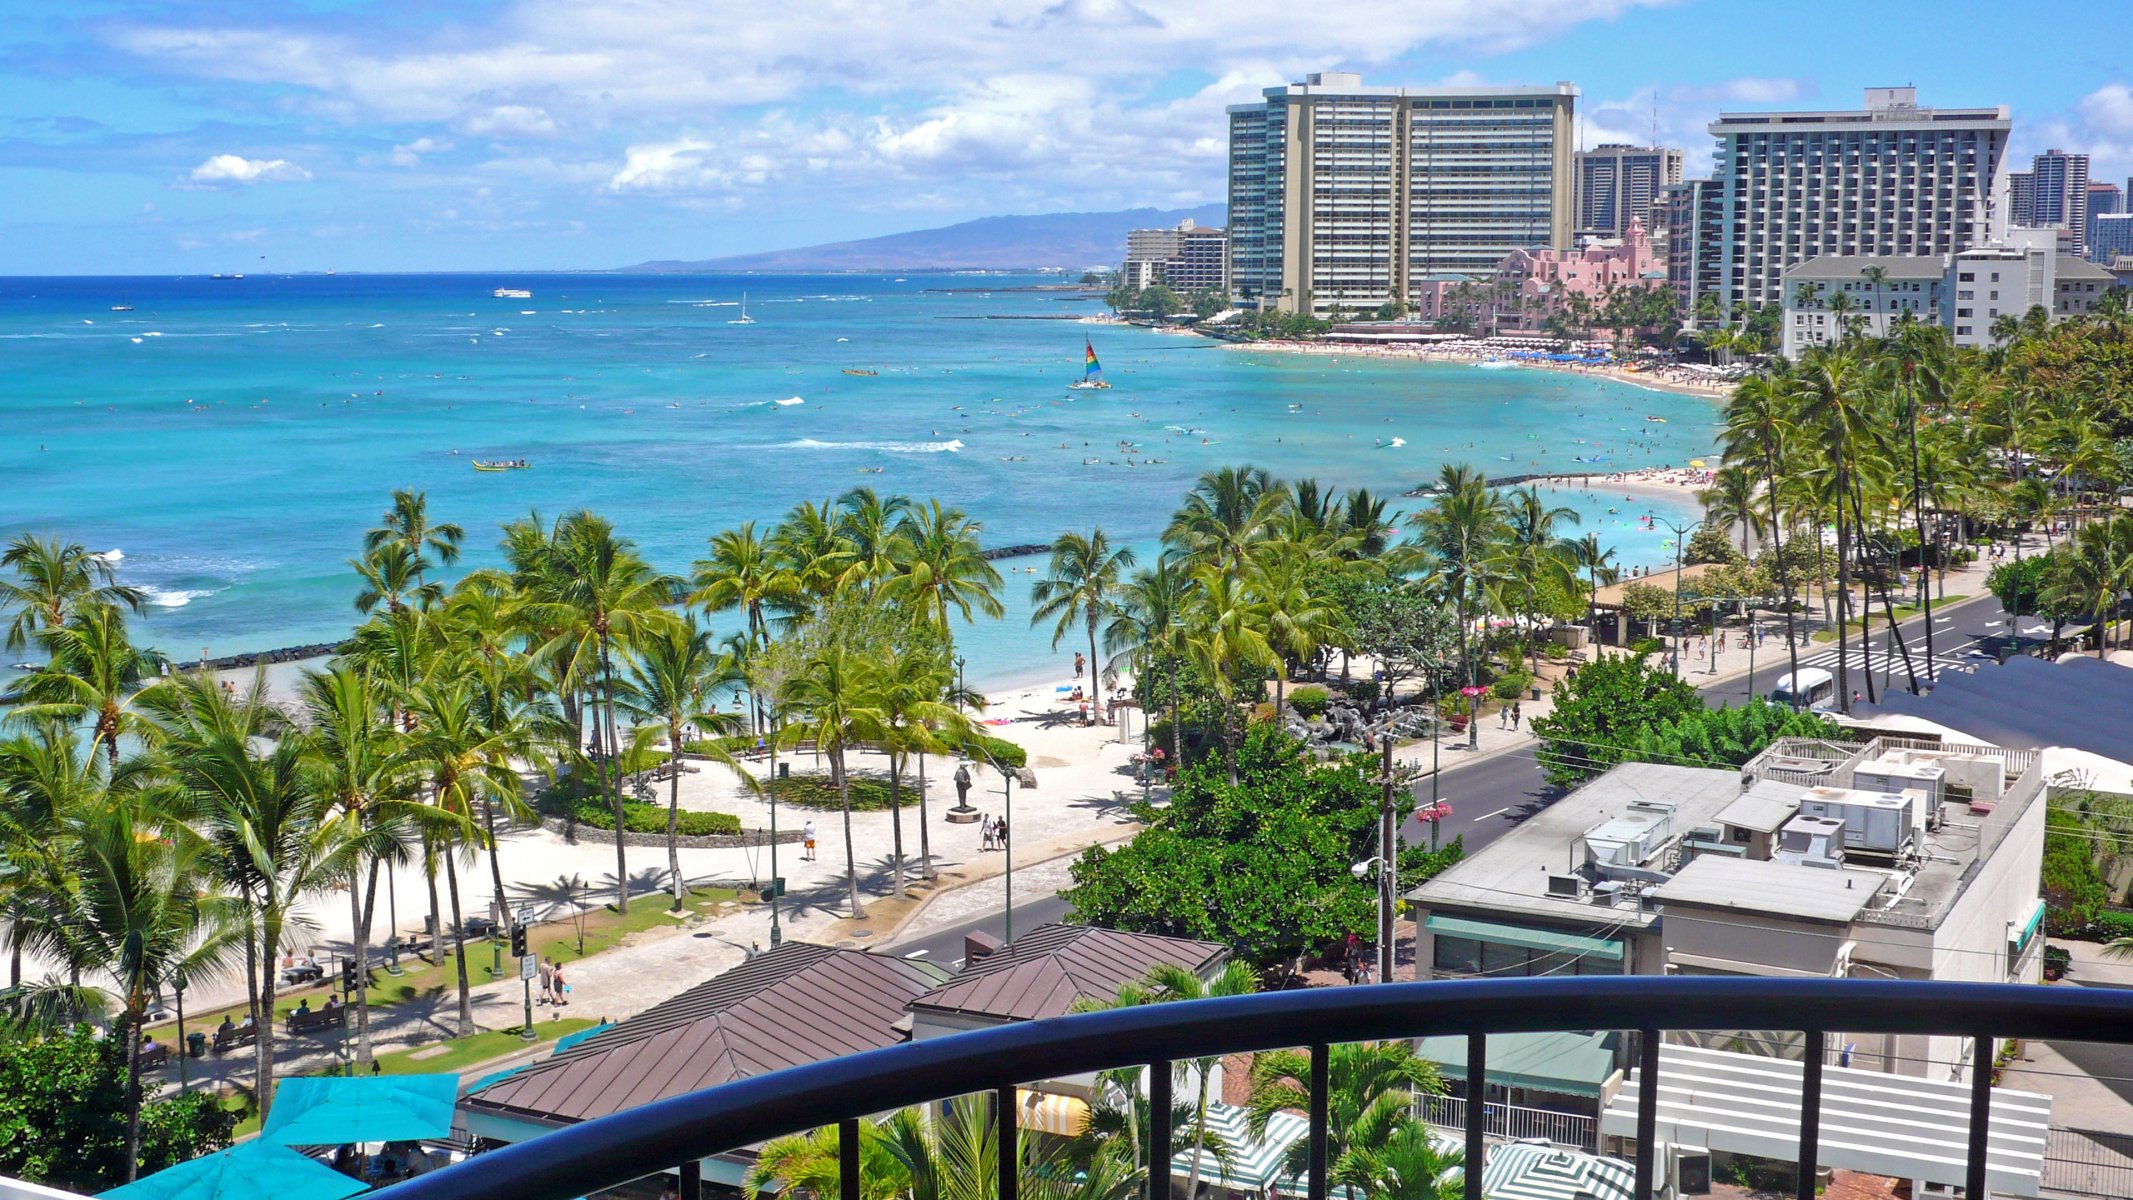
744 318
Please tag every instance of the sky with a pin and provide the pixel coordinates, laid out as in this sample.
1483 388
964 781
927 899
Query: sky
180 136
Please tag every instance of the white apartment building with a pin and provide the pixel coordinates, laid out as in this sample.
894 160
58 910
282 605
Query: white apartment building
1965 293
1889 179
1342 196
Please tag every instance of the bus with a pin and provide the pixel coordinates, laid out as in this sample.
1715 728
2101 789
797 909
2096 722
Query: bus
1811 688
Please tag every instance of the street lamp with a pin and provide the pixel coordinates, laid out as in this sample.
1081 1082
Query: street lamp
1681 537
962 683
1007 846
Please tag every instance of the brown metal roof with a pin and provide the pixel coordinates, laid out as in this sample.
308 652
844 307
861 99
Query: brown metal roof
797 1004
1043 973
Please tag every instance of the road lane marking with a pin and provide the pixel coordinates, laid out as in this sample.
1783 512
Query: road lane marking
1499 812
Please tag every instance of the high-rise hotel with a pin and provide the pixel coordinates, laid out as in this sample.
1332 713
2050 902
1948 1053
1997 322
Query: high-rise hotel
1343 196
1888 179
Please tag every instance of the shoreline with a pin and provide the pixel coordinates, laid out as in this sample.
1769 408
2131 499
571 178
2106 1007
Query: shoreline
1679 383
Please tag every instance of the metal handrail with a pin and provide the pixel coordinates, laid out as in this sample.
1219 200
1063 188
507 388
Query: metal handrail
679 1131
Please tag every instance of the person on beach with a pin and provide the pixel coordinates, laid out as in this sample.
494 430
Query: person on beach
1080 664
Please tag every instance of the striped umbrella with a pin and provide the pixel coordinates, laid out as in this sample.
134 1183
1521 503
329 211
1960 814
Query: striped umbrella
1244 1163
1523 1171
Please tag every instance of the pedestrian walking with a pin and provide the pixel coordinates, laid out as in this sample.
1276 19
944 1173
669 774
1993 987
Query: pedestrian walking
562 988
985 838
807 836
999 833
547 970
1517 714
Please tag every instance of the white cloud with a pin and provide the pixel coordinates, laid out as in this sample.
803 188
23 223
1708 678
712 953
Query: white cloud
508 120
664 167
411 154
226 169
2109 109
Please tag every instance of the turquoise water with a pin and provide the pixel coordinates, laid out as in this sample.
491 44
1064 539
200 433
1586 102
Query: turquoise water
232 439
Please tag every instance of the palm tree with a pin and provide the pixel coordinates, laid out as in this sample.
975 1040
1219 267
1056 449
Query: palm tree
1833 414
1146 630
93 672
1457 539
1166 983
1299 622
1225 513
135 906
469 753
602 597
1081 586
46 774
1730 502
353 745
810 547
271 826
53 581
742 573
917 722
1598 563
674 678
943 568
1759 433
868 522
1225 640
2092 572
392 577
834 698
407 524
1409 1165
1371 1090
1537 558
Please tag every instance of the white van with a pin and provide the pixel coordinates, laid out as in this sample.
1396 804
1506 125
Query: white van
1811 688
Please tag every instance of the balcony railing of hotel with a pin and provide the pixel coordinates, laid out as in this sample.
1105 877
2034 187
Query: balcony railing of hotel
677 1133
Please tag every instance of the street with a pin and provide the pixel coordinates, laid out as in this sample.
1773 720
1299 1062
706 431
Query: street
1490 797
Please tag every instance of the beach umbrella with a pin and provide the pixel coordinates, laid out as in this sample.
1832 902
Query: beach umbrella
1696 462
252 1171
1530 1171
330 1110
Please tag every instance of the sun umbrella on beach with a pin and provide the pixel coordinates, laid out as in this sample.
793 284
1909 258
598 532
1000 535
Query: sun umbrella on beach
1696 462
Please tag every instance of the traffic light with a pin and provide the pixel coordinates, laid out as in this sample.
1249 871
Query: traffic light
518 941
348 976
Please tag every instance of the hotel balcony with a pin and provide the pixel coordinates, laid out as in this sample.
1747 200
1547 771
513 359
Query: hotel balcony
1667 1106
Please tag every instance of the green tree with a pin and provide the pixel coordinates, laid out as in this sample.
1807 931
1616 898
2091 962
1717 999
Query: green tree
54 580
1081 587
1261 866
56 1129
92 675
1600 709
1370 1098
674 677
1166 983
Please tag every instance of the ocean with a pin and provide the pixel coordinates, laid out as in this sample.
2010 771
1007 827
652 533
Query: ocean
231 439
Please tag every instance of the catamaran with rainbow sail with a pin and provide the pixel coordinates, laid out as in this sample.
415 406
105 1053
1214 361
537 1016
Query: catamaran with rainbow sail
1092 372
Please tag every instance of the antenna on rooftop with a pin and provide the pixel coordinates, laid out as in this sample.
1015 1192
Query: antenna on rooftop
1655 116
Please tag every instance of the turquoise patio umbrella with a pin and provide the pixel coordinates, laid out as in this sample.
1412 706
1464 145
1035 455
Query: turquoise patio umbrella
251 1171
331 1110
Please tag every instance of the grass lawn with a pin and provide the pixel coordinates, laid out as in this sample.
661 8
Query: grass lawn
423 979
1904 612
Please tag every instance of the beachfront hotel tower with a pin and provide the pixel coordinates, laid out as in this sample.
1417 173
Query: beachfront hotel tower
1343 197
1617 184
1890 178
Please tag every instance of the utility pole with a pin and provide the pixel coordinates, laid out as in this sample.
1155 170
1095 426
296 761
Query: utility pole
1681 537
1388 867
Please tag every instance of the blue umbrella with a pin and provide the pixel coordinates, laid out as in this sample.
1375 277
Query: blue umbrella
330 1110
252 1171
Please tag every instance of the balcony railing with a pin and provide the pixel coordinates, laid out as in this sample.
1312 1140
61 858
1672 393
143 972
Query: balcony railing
677 1133
1514 1122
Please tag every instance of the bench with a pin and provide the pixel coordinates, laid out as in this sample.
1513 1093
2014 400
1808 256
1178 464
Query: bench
321 1018
233 1037
307 971
153 1056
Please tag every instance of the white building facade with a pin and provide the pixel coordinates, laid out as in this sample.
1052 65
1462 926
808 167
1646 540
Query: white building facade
1888 179
1340 194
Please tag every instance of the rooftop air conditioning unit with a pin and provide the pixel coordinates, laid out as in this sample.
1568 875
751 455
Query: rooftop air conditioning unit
1568 887
1811 841
1607 893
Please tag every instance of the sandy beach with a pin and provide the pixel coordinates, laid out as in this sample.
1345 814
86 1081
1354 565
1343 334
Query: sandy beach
1679 380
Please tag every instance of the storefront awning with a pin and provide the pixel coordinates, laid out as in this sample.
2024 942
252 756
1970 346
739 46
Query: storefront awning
1518 935
1569 1064
1042 1112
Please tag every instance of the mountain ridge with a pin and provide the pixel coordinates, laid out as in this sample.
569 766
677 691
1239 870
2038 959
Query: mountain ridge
1070 241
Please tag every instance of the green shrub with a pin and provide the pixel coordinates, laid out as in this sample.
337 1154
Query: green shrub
1310 701
1512 686
2110 926
638 817
1364 691
813 790
1646 645
1001 751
